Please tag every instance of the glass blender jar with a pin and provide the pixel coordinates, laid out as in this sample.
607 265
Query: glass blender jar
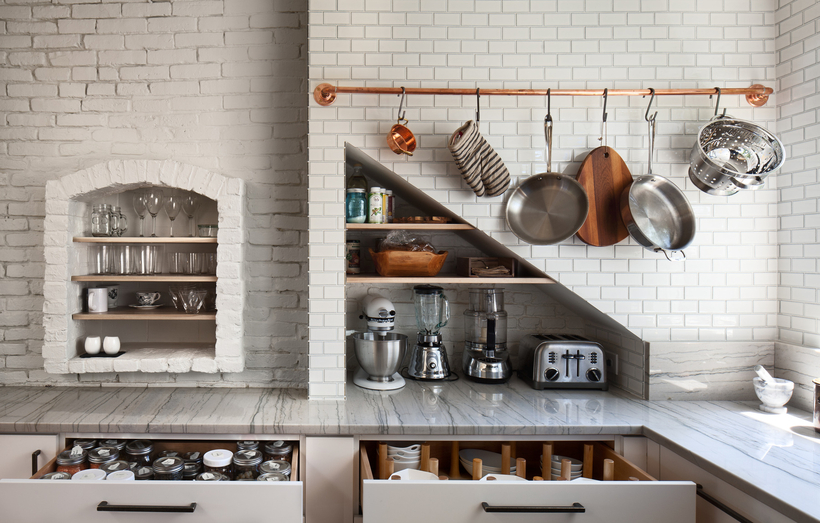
428 360
485 358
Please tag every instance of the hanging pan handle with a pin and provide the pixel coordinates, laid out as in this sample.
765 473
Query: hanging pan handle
548 132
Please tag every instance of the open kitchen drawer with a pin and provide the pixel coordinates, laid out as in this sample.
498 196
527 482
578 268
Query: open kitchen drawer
463 500
35 500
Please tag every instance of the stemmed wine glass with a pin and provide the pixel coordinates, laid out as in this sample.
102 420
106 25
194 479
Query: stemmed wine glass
173 204
139 208
153 202
190 203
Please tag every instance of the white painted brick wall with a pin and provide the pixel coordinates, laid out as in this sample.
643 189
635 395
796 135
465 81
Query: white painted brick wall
727 288
85 82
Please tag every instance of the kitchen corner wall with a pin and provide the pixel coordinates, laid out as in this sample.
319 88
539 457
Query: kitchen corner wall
218 84
798 72
721 300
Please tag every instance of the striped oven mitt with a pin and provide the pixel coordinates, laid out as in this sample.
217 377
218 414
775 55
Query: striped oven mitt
480 166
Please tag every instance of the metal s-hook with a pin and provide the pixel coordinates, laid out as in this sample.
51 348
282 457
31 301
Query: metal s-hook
401 115
717 102
602 139
477 105
548 118
606 95
648 107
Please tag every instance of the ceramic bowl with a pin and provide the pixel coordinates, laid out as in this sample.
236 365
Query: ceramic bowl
773 395
401 465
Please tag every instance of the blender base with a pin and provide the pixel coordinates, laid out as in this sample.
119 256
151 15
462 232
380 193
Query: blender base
360 379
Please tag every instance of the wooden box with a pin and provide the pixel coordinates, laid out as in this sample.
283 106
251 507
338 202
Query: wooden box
408 263
465 266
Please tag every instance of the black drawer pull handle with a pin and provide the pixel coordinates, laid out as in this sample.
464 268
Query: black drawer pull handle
576 507
105 507
34 466
722 506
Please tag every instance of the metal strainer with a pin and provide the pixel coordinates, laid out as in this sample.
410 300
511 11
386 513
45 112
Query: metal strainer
732 154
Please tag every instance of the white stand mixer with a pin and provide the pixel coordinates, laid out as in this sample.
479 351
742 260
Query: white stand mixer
379 351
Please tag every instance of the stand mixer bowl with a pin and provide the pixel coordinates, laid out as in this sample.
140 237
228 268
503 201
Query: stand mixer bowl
380 354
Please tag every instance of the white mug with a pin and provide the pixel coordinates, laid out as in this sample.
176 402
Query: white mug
92 345
111 344
98 300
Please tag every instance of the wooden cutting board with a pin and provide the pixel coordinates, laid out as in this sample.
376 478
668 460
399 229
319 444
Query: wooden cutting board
604 176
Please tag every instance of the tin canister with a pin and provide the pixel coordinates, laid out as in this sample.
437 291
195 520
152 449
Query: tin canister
353 257
817 405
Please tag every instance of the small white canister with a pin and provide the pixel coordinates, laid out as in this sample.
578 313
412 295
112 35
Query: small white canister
375 205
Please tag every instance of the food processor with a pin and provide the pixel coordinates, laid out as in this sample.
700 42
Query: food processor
379 351
485 358
428 360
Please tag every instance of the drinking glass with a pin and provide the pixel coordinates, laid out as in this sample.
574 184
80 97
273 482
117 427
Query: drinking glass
190 203
139 208
123 260
153 202
146 259
176 263
193 263
209 263
173 204
100 259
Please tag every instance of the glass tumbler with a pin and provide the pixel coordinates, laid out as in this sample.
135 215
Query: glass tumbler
193 264
123 259
176 263
100 259
209 263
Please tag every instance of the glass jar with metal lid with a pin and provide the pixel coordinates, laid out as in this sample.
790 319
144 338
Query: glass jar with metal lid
143 473
246 464
218 460
89 475
278 450
56 475
100 455
139 451
250 445
85 444
118 443
169 454
272 476
169 468
72 461
212 476
114 466
120 475
190 470
283 467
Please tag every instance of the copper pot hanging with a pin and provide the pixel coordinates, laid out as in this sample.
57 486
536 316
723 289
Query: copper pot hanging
400 139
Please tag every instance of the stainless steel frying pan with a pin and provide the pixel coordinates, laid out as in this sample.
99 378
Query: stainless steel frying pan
547 208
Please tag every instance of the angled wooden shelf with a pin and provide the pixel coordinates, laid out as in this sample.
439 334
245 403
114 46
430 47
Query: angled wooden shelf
148 239
445 278
131 314
161 278
409 226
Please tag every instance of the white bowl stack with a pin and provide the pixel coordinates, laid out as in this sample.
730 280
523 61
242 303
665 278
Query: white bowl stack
404 457
576 467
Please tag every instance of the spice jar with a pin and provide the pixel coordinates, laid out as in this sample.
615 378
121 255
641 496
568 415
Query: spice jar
283 467
119 444
89 475
278 450
72 460
120 475
190 470
272 476
212 476
139 451
356 206
144 473
247 445
168 469
56 475
114 466
85 444
246 464
374 205
101 455
168 454
218 460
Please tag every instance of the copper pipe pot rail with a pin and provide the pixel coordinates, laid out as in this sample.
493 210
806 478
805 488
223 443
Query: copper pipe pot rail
756 95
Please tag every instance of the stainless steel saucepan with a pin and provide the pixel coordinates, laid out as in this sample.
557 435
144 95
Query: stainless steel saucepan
656 212
547 208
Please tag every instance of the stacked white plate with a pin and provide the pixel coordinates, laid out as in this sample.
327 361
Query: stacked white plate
404 456
490 461
576 467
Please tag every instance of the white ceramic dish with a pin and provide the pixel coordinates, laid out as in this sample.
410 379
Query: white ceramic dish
489 459
413 475
413 447
399 459
147 307
501 477
576 464
403 454
468 466
401 465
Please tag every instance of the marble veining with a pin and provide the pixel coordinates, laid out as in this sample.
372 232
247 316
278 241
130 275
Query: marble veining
775 458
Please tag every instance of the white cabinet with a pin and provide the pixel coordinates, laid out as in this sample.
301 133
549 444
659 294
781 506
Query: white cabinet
16 458
460 500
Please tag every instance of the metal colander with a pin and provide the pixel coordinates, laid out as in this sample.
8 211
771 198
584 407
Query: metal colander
732 154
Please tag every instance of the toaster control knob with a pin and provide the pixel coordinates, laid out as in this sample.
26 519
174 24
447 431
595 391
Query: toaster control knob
594 375
552 374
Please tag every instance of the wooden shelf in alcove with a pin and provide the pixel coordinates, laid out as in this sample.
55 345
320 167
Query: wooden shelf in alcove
444 278
409 226
160 278
132 314
137 239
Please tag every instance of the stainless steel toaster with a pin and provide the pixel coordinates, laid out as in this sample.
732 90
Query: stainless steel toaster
561 361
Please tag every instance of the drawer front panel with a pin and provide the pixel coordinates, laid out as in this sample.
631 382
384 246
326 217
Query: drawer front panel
461 501
36 501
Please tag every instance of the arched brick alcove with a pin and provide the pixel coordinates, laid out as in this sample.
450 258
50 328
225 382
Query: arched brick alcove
67 202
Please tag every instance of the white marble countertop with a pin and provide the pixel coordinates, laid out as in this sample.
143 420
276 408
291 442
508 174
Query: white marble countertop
774 458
